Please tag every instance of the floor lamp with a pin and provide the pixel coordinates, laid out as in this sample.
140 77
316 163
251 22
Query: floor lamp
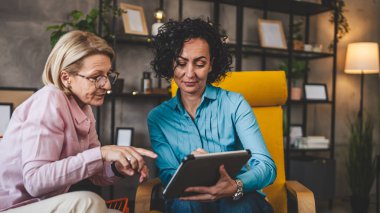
362 58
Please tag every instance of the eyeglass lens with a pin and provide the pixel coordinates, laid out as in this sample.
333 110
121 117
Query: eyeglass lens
101 81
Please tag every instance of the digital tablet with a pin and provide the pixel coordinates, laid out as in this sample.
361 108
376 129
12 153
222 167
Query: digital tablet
203 170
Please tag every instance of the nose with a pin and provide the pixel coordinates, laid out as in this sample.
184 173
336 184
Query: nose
107 85
189 71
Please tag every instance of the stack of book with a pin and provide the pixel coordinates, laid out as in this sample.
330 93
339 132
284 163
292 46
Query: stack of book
314 142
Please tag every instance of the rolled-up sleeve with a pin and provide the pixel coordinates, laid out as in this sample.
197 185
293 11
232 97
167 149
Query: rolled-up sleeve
262 171
106 177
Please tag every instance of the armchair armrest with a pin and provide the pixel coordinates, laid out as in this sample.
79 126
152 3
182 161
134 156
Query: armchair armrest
303 196
144 195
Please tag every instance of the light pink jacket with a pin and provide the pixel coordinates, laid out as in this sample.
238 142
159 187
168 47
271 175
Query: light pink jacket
50 144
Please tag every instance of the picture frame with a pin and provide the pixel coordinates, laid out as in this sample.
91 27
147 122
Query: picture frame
315 92
6 110
134 19
271 34
296 133
124 136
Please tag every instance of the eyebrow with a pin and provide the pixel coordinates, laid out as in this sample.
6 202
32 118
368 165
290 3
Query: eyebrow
196 59
98 72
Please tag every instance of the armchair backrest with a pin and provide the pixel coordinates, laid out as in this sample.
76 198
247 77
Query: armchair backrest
15 95
265 91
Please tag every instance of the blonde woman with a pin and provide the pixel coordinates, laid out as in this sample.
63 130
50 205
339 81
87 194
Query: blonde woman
51 141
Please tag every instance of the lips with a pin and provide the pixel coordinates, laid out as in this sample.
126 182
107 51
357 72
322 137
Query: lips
100 95
190 84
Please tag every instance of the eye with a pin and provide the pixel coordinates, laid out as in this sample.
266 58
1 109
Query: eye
181 63
200 64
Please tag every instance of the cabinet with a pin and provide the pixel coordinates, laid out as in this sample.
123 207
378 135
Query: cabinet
289 10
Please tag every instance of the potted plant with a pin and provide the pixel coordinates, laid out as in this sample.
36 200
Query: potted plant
79 21
360 165
298 43
299 68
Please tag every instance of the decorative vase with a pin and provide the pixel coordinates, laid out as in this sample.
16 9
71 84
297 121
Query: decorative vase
296 93
359 204
298 45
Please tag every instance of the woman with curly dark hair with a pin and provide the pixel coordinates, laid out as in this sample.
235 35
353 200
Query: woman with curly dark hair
203 119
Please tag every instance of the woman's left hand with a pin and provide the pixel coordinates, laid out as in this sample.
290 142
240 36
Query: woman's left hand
144 172
225 187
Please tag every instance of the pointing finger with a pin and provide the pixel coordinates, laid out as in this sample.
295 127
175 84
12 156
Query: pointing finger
146 153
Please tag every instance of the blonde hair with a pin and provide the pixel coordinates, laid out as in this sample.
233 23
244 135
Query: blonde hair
69 53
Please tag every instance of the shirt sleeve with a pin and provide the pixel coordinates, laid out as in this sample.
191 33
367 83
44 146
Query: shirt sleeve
106 177
42 142
166 160
262 169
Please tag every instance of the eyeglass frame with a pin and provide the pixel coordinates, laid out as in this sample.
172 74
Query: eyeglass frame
98 79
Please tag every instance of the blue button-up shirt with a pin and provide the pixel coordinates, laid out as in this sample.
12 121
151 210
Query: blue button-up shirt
224 121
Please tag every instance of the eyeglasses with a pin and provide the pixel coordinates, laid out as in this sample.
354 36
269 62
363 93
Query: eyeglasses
101 80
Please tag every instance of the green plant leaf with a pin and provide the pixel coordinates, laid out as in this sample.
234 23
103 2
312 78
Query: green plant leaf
360 164
53 27
76 15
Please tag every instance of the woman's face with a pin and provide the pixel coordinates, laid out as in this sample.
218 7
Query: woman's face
84 86
192 67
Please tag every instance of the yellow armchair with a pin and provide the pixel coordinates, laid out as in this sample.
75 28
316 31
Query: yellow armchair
266 92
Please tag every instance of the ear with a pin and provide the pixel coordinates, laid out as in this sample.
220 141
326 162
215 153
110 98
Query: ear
211 64
65 78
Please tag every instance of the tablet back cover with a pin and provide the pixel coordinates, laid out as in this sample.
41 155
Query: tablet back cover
203 170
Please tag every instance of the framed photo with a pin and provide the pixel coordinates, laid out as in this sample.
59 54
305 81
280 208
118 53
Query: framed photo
272 34
124 136
6 113
134 19
296 133
315 92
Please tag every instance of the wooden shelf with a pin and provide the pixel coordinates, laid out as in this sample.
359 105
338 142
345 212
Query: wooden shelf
254 49
310 150
308 102
282 6
133 39
138 95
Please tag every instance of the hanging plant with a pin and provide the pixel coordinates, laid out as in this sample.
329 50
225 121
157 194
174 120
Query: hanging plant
343 26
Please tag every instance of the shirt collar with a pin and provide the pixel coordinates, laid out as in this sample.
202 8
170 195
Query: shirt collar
210 93
81 116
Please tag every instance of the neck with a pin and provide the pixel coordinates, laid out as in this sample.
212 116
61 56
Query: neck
80 103
191 102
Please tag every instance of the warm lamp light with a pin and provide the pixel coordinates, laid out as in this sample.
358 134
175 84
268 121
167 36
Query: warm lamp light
159 16
362 58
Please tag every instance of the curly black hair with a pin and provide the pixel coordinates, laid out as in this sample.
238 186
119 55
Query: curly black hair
168 45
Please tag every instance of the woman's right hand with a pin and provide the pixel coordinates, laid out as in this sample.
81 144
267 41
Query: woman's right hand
199 151
128 159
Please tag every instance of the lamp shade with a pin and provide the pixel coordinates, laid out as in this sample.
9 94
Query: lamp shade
362 58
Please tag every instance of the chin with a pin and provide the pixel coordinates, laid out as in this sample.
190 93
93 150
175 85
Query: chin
96 103
190 90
